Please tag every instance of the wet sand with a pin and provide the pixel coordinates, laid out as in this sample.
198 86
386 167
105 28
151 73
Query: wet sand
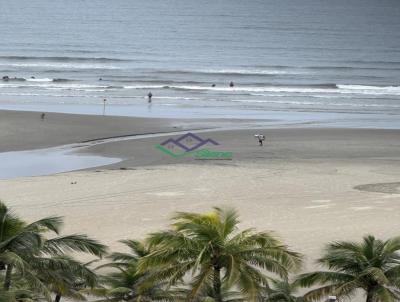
24 130
281 145
311 186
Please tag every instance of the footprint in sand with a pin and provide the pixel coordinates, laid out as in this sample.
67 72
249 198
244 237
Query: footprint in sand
388 187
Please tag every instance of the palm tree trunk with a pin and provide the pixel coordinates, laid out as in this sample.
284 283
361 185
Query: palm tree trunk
57 298
7 278
370 297
217 284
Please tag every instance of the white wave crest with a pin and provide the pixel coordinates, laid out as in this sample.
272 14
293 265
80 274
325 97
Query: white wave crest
363 89
341 89
39 80
60 65
248 71
144 86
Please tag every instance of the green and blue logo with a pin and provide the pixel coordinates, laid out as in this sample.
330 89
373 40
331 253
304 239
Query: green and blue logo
191 145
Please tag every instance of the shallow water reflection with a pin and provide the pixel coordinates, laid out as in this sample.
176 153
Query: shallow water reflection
47 161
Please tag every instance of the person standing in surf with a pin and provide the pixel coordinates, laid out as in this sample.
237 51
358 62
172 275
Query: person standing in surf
149 95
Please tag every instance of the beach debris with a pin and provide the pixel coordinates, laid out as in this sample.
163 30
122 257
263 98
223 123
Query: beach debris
74 182
260 138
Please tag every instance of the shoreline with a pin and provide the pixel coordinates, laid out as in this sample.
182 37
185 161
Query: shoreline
263 117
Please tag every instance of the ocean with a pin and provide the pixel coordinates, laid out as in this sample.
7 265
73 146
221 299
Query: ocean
311 60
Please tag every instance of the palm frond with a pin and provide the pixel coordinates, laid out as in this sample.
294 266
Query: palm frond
74 243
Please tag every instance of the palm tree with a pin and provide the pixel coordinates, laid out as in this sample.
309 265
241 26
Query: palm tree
283 291
127 283
215 252
16 239
17 295
69 280
372 266
208 295
25 249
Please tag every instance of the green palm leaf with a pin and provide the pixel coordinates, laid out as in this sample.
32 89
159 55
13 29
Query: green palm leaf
371 265
210 244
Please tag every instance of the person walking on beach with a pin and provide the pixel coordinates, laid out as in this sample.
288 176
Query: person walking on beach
231 84
42 116
261 139
150 95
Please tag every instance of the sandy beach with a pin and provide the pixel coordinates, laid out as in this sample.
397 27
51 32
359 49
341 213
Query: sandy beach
117 115
311 186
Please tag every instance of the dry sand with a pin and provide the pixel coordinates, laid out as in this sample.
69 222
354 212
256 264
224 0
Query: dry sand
306 203
311 186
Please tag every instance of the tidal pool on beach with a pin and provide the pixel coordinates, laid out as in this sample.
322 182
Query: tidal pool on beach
64 158
47 161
